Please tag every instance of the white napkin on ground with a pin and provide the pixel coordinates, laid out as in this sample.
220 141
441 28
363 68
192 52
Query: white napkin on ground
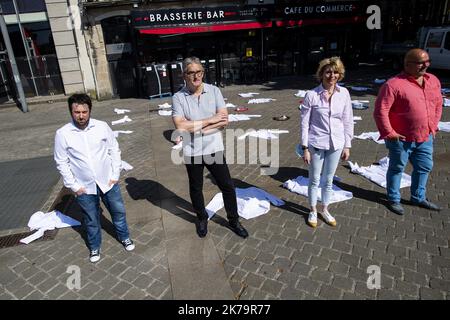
251 202
300 185
263 134
42 222
300 93
260 100
164 106
126 166
377 173
370 136
123 120
446 102
120 111
230 105
163 112
444 126
242 117
116 132
248 95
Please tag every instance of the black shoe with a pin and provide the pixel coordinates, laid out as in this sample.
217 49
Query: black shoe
238 229
202 228
396 208
427 205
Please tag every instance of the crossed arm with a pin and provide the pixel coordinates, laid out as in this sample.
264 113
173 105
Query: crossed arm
206 126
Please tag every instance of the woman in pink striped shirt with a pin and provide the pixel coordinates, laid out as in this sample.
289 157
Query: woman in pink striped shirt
326 133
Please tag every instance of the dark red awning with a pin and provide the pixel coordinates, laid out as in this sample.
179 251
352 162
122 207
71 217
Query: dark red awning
208 28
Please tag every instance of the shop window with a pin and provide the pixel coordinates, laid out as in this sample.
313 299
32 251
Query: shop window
23 6
435 40
38 37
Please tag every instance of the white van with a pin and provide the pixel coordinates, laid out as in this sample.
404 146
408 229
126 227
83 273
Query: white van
437 44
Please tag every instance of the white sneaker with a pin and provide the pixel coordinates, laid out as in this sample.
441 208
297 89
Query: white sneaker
312 219
94 256
328 218
128 244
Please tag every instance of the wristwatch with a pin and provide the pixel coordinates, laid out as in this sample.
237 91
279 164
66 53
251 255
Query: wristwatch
304 147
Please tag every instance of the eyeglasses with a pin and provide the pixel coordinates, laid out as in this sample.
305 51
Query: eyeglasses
419 63
191 74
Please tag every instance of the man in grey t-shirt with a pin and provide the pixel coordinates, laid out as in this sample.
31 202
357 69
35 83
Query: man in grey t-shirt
198 111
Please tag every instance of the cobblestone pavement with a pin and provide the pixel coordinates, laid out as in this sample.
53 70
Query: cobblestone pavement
282 259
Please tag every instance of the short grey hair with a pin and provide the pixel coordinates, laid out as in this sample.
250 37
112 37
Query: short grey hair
191 60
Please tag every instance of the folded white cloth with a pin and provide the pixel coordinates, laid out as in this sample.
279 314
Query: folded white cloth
261 100
126 166
300 185
248 95
116 132
251 202
300 93
377 173
242 117
230 105
120 111
446 102
163 112
263 134
164 106
360 104
370 136
123 120
444 126
379 81
42 222
356 88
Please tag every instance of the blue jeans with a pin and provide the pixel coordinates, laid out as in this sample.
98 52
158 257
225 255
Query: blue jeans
329 160
420 154
90 203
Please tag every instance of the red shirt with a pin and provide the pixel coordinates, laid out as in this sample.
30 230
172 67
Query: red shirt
406 108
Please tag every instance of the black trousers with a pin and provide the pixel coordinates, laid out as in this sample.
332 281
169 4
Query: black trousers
219 170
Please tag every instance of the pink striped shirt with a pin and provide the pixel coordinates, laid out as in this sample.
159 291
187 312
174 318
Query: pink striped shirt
327 125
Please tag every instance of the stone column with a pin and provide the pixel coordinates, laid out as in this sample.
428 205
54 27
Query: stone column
65 45
97 51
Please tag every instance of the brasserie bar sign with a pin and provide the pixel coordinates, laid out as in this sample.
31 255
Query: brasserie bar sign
194 16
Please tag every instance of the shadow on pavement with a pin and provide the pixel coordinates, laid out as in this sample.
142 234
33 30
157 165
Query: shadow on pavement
154 192
69 206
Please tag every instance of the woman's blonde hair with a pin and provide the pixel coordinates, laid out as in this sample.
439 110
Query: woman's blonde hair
336 65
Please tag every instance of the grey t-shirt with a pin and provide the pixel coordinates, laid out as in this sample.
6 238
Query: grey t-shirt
190 107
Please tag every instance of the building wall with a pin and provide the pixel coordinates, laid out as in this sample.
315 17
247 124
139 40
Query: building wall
65 45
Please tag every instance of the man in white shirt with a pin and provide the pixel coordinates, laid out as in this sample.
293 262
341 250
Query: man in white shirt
87 156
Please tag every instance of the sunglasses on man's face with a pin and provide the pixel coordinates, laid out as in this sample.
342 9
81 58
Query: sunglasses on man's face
191 74
421 63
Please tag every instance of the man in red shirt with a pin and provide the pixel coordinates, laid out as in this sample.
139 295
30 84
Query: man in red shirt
407 112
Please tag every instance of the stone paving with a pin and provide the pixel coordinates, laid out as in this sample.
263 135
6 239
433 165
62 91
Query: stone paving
283 258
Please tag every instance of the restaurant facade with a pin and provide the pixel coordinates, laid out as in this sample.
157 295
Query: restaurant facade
134 48
238 42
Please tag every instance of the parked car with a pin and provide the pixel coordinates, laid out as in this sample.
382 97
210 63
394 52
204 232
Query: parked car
437 44
435 40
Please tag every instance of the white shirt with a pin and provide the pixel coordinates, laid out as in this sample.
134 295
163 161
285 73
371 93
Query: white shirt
300 185
89 157
251 202
377 173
